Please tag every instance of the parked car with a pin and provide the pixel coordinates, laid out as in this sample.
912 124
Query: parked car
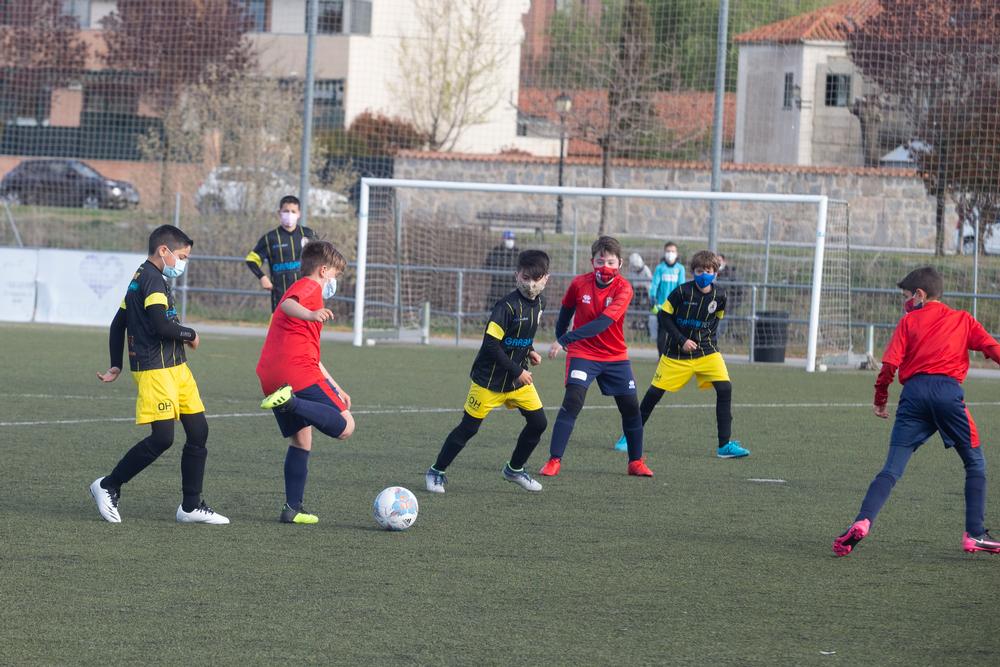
247 189
65 183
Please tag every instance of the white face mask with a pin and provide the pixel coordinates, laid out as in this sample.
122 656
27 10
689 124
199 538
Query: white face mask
288 219
670 256
330 289
508 243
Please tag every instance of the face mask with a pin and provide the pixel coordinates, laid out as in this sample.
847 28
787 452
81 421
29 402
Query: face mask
529 289
288 219
605 274
508 243
671 257
177 269
911 305
703 280
330 289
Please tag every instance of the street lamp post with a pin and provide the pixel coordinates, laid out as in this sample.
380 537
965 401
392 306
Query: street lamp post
563 104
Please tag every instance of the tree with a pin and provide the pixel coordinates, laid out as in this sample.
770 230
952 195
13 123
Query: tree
938 60
40 49
447 71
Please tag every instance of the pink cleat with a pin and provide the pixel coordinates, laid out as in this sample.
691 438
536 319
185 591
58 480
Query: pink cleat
844 544
984 542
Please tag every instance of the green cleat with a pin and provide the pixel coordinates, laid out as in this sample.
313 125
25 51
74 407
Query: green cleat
277 399
289 515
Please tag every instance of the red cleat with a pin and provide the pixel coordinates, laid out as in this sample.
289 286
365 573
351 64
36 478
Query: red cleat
639 468
845 543
551 467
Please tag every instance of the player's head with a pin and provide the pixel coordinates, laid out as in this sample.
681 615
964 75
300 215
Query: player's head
532 273
289 209
635 261
322 261
920 286
169 249
508 239
722 261
670 253
704 266
606 257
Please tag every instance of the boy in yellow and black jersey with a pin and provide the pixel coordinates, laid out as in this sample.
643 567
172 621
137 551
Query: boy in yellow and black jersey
166 389
500 375
282 249
688 323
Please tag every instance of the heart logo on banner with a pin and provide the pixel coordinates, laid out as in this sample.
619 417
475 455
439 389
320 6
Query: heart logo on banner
100 273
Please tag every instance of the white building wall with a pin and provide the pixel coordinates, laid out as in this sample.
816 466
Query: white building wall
765 131
288 17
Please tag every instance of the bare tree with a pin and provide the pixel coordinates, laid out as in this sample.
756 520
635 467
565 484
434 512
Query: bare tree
447 72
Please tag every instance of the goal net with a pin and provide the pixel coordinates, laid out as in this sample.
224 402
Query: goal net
433 257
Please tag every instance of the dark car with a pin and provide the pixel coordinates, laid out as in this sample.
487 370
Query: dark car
65 183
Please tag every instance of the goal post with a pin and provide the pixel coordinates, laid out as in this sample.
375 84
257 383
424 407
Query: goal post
819 202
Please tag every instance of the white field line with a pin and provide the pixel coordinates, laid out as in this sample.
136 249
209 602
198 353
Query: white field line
426 410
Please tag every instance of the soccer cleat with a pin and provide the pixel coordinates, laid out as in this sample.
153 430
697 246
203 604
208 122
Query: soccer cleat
200 514
984 542
732 450
639 468
300 515
551 467
844 544
435 480
521 478
277 398
107 501
621 445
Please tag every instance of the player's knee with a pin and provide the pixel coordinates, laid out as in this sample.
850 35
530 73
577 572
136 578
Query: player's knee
160 442
723 390
348 426
468 427
536 421
573 401
195 429
628 405
890 476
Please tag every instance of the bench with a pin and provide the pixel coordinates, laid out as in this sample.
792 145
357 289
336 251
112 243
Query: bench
517 221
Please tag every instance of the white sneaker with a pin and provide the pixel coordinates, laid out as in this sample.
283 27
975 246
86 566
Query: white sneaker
521 478
107 501
435 480
201 514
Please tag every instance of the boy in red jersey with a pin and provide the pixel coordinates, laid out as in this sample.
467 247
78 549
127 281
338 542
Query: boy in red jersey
595 350
299 389
930 349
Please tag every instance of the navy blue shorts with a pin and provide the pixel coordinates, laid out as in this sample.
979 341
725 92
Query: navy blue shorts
932 404
615 378
322 393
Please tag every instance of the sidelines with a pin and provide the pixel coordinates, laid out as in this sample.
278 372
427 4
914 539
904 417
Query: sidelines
417 410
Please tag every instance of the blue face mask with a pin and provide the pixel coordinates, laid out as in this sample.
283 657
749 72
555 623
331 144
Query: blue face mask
703 280
177 269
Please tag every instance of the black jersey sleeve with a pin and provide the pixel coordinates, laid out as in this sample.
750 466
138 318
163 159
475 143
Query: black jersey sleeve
500 321
255 258
165 327
562 322
116 338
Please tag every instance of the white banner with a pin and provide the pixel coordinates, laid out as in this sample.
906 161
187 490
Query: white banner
17 284
82 287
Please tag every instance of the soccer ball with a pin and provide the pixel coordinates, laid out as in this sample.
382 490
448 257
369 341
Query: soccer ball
395 508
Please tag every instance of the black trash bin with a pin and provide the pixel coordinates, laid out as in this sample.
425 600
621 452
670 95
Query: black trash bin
770 336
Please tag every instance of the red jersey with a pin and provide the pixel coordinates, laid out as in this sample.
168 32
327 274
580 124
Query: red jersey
291 350
936 339
588 301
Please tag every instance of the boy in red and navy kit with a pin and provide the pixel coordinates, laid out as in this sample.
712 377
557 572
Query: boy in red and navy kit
595 350
930 349
299 389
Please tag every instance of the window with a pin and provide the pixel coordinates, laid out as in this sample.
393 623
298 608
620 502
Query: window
361 17
78 9
331 17
789 96
257 9
838 90
110 98
328 104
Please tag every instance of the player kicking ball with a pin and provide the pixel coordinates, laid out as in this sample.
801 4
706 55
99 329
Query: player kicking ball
597 302
500 376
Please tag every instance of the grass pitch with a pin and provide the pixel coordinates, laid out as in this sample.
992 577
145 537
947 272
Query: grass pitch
698 565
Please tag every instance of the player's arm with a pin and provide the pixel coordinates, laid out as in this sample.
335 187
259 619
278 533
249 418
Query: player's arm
340 390
588 330
165 327
981 341
293 308
492 347
891 361
665 320
654 289
255 262
116 341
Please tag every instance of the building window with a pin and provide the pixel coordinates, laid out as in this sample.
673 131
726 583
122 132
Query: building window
257 9
361 17
331 17
110 98
789 95
328 104
78 9
838 90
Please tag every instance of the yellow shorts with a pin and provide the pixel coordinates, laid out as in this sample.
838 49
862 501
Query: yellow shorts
481 400
166 393
672 374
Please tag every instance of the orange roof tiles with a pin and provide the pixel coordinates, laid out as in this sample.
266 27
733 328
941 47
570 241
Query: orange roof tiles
827 24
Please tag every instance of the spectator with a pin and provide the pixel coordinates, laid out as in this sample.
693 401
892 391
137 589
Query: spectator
502 262
726 276
641 278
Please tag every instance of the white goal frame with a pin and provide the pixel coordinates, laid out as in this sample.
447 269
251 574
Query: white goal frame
820 201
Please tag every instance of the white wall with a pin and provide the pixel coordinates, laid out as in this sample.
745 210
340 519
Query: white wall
288 16
765 131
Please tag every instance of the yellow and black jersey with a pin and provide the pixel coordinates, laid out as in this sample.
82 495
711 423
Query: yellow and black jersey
509 336
694 316
155 336
283 252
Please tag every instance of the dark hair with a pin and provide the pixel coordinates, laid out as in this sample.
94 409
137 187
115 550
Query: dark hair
705 259
606 245
169 236
289 199
318 253
926 278
533 263
669 243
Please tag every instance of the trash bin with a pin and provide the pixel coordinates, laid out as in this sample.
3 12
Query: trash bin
770 336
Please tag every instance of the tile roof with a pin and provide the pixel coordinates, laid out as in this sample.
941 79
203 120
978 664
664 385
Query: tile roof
827 24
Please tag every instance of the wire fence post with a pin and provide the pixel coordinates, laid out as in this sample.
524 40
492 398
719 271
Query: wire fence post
458 308
720 92
307 113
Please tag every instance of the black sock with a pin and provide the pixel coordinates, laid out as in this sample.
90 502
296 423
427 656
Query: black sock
456 440
534 426
193 460
724 410
142 454
649 401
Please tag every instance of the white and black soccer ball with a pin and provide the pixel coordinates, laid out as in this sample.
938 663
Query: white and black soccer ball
395 508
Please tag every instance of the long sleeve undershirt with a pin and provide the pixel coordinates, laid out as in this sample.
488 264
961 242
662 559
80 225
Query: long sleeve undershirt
588 330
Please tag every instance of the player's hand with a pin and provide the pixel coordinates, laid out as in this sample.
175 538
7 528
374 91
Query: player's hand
193 344
690 345
344 396
265 282
109 375
534 358
524 378
654 310
321 315
554 350
881 410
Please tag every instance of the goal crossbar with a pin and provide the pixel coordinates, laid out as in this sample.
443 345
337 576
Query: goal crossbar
820 201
